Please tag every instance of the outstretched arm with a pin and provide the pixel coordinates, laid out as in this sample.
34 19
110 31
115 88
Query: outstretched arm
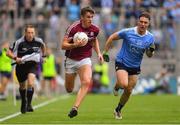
10 54
108 43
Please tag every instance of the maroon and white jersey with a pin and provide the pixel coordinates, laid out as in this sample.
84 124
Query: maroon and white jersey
80 53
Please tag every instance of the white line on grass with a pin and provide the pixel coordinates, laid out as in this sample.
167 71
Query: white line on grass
35 107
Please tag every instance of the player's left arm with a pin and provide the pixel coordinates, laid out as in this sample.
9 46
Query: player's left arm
97 49
150 50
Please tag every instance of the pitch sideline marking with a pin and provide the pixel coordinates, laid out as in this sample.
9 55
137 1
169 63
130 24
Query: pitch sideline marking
35 107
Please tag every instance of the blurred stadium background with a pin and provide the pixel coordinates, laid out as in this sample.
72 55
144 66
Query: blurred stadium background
160 74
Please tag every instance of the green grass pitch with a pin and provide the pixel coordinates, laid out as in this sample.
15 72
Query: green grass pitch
98 109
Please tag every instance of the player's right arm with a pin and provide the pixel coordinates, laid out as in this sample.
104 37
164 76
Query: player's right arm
11 54
108 43
68 45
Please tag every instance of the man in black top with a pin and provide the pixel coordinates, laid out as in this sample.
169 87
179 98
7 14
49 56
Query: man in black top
27 52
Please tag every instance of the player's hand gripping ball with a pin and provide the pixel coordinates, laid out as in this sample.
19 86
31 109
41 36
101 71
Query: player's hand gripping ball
81 36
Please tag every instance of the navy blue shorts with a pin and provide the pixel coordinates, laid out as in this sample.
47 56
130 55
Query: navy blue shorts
49 78
5 74
131 71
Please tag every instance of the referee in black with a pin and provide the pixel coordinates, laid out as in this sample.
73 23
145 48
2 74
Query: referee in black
26 70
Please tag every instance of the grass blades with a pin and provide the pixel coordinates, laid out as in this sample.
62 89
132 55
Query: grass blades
98 109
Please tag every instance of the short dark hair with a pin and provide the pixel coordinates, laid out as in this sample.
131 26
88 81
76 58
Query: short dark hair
28 26
145 14
87 9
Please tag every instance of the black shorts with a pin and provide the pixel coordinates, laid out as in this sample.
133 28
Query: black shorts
48 78
5 74
131 71
22 70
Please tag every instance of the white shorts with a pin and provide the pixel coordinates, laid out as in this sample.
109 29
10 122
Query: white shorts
71 66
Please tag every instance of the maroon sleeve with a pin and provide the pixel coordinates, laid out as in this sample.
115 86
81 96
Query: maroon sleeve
97 32
71 30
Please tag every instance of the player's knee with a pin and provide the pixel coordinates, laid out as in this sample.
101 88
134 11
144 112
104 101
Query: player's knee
86 82
30 85
69 86
69 90
22 86
124 86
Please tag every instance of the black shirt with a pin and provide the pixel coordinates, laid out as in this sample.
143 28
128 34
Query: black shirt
22 47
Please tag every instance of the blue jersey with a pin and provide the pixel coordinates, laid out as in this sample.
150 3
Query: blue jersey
133 47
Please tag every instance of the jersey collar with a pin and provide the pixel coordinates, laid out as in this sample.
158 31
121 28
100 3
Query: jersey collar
135 29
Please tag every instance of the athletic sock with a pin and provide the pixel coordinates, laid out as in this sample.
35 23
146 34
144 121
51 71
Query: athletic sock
23 100
75 107
23 94
30 93
119 107
115 88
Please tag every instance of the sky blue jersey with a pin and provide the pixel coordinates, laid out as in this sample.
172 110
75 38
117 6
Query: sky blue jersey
133 47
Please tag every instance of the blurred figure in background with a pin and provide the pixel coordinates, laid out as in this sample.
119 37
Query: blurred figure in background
163 79
101 78
73 10
12 7
54 28
41 26
4 25
105 81
5 69
49 74
170 7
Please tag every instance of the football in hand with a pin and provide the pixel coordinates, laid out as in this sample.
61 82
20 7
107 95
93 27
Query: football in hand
81 36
